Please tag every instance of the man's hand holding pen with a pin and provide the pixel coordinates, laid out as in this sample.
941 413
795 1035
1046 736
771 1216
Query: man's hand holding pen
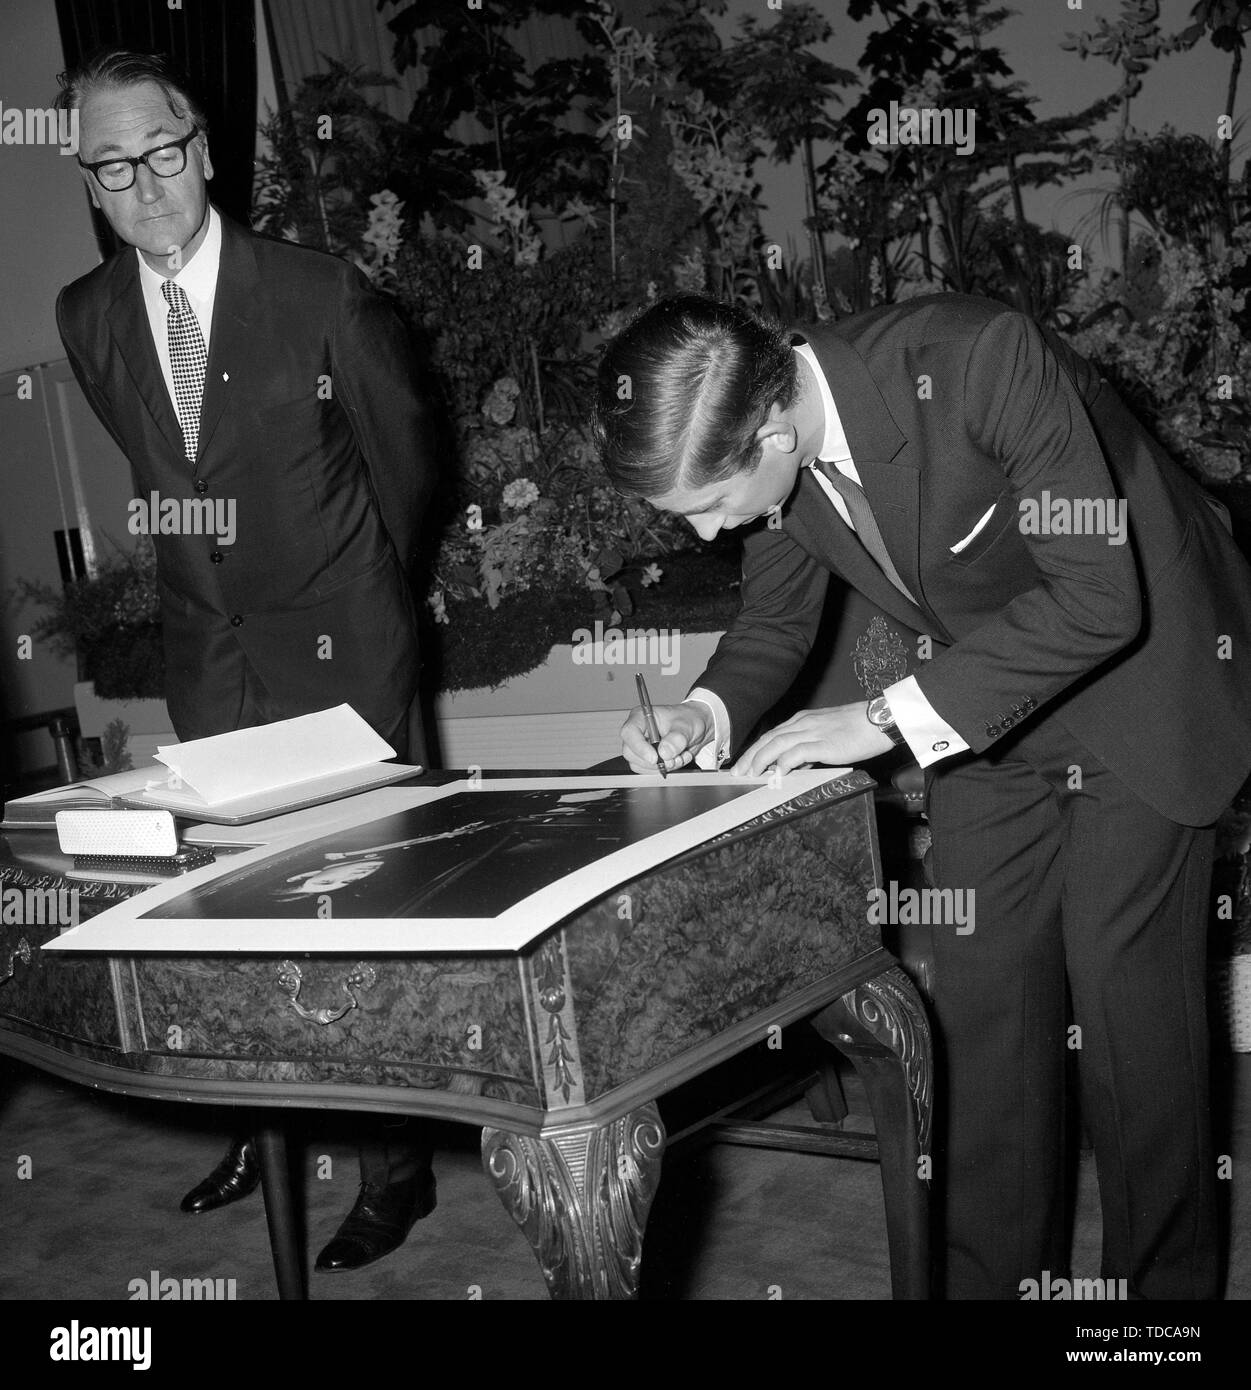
683 730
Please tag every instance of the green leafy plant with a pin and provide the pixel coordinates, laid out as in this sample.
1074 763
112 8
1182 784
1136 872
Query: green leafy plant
326 152
108 754
1132 43
539 545
521 319
537 126
1179 357
1225 22
110 622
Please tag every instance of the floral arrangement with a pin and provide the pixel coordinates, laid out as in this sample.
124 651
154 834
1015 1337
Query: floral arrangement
509 216
1184 355
382 238
539 545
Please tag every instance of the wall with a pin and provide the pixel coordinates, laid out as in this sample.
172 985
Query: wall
45 228
53 454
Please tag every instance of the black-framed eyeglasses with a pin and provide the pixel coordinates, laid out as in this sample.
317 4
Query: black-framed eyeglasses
166 162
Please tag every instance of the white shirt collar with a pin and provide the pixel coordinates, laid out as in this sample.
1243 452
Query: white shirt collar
834 447
198 278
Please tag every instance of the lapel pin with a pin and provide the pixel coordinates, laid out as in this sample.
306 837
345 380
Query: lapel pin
225 376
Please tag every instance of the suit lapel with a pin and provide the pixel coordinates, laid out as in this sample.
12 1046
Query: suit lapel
234 307
888 474
811 522
132 334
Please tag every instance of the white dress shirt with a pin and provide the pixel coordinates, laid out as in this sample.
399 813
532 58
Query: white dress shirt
926 732
198 281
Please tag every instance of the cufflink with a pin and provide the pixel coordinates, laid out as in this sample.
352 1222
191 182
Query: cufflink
940 747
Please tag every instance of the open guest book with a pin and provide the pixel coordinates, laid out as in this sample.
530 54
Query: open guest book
235 778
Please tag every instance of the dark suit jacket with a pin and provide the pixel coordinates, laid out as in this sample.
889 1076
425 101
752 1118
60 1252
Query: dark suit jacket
312 423
952 404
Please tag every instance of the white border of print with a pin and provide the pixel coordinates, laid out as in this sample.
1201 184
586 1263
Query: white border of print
123 928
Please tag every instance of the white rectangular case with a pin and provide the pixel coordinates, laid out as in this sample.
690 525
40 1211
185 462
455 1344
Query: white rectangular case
149 833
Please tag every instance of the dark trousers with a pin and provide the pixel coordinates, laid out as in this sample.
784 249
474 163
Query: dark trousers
1074 879
391 1148
231 695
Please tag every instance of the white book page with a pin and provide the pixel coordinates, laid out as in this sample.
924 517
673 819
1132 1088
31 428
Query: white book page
307 823
248 762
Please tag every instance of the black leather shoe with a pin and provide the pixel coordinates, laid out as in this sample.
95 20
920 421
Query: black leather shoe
234 1177
378 1223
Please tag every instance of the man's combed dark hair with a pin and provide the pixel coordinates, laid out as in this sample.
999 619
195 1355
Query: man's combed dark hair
120 67
682 391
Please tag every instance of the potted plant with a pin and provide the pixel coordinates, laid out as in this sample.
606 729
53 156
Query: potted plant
109 622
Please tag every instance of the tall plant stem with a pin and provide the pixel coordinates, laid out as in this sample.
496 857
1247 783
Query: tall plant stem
1231 96
816 237
1014 179
616 153
538 386
1124 200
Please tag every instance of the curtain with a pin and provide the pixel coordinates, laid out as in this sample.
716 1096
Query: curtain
215 45
352 32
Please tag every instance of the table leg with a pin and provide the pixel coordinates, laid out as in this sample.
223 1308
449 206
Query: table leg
882 1027
582 1198
271 1148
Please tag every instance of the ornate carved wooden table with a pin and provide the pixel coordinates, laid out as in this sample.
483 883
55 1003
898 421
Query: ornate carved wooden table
559 1052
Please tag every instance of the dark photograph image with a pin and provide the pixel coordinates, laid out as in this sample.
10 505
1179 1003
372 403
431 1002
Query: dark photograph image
472 854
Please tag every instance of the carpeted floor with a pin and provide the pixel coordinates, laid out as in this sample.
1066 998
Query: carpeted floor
98 1210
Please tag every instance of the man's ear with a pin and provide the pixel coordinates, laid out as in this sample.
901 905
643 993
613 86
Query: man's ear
778 432
90 180
205 158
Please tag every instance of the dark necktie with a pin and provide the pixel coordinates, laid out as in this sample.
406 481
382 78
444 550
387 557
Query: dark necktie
865 523
188 358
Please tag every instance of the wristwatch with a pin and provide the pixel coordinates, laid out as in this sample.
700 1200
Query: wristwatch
878 714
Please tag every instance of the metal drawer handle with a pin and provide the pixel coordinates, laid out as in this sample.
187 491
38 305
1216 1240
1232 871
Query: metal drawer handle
22 950
290 980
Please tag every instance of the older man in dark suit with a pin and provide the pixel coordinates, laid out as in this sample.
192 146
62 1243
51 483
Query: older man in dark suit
267 384
1083 717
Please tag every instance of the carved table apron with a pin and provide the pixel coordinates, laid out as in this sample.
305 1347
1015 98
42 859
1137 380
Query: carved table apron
559 1052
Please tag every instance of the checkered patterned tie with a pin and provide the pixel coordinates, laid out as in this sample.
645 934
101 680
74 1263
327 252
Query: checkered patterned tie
188 357
864 522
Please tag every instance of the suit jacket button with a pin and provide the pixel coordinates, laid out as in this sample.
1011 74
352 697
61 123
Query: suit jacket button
993 731
200 485
236 620
216 557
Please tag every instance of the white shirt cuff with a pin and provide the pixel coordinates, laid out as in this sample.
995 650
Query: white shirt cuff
927 733
717 750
